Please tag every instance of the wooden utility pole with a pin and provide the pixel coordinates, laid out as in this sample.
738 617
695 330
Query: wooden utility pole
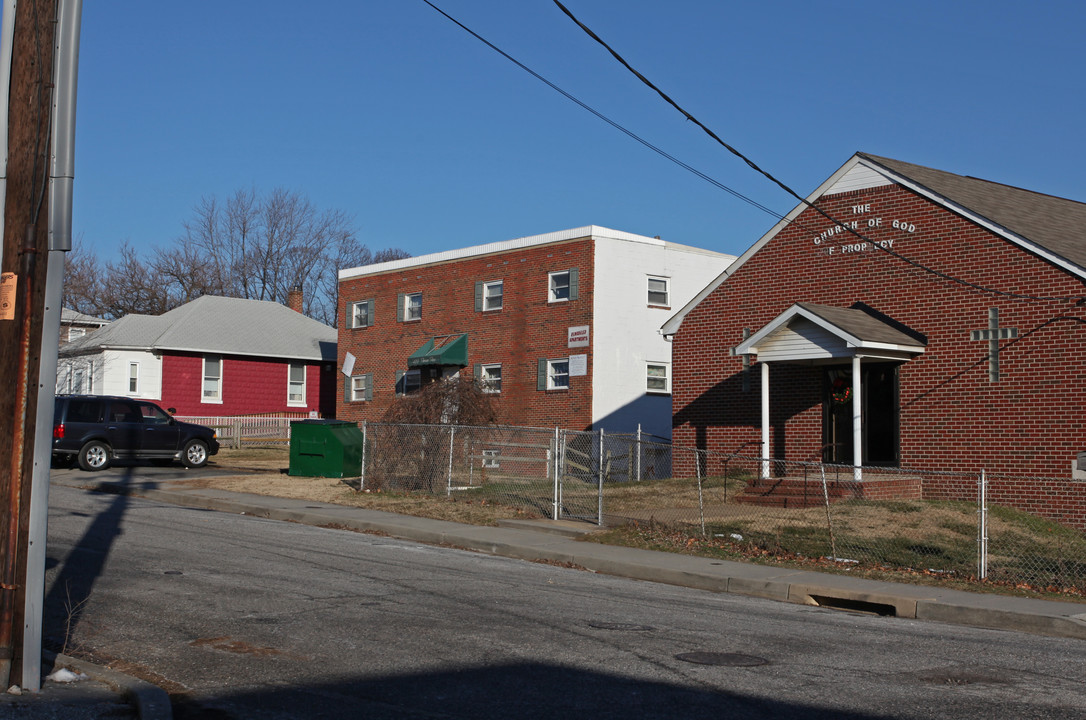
23 266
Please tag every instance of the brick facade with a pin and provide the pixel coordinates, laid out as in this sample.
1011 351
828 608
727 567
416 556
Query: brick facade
1030 422
525 330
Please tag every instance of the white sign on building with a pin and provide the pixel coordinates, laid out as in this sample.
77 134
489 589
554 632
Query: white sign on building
577 336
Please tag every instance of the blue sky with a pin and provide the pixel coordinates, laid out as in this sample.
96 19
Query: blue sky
432 141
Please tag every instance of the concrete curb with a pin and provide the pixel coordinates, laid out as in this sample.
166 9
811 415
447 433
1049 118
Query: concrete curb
536 541
151 702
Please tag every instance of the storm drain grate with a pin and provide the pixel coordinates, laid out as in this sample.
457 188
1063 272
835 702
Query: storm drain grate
722 659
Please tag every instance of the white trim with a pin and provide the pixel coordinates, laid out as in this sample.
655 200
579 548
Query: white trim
551 385
291 383
586 232
217 398
1024 243
551 286
485 381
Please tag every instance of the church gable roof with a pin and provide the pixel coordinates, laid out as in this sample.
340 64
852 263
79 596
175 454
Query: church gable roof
1045 225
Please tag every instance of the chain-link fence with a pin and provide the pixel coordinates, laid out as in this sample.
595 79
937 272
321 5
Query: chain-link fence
933 523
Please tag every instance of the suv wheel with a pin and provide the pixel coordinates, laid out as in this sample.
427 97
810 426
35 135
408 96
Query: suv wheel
194 455
94 456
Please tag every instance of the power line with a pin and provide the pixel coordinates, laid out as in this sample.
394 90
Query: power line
609 121
792 192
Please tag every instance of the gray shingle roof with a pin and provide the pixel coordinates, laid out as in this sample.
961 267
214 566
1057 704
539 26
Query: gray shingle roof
1054 223
224 326
860 324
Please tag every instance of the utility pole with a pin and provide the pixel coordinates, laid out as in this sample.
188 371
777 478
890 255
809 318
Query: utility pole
37 62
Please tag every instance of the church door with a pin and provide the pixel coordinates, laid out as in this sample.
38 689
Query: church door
879 428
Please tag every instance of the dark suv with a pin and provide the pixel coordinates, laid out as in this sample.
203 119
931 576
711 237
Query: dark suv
97 429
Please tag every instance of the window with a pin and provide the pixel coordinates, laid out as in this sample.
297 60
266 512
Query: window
553 374
408 382
562 286
410 307
360 388
360 314
491 458
77 380
133 377
296 384
488 295
659 291
490 377
657 378
74 333
212 379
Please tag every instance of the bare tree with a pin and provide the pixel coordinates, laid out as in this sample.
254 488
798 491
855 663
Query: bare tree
251 246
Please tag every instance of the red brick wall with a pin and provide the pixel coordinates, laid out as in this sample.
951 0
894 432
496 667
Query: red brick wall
1031 422
249 385
526 329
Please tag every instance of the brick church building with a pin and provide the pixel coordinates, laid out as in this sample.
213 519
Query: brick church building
901 317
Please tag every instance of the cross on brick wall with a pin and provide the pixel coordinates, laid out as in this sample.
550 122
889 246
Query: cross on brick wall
993 334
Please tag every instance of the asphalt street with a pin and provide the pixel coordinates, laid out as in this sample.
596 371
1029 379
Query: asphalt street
240 616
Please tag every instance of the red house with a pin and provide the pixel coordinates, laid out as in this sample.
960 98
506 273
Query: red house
212 356
902 317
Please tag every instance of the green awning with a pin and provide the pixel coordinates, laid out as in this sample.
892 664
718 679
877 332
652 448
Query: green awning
449 350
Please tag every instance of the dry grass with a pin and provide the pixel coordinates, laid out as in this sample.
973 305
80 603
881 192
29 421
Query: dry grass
906 541
274 481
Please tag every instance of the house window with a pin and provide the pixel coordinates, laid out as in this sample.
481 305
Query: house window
360 388
559 284
212 379
296 384
489 377
133 377
408 382
488 295
491 458
74 333
657 378
76 384
659 294
360 314
553 374
410 307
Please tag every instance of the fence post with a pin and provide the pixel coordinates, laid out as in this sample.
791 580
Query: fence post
599 503
452 441
237 433
701 503
638 478
982 527
362 470
557 472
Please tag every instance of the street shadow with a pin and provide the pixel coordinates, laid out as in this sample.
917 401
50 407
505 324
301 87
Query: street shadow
524 691
70 590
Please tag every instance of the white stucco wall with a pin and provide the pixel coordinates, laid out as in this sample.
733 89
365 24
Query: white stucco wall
108 373
626 329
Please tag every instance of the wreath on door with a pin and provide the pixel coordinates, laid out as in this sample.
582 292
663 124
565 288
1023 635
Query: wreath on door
840 391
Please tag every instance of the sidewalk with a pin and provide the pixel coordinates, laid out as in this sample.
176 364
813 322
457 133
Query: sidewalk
551 541
97 692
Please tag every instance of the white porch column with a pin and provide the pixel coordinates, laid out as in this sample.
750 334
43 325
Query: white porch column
857 419
765 420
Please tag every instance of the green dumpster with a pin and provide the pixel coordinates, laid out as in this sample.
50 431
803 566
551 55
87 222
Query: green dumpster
325 448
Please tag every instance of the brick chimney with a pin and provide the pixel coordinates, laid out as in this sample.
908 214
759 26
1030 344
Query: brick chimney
294 298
